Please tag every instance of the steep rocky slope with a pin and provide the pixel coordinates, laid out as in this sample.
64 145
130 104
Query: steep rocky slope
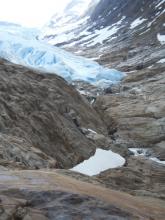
43 120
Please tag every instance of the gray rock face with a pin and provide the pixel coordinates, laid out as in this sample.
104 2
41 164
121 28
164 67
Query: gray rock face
41 117
130 40
140 177
110 10
135 114
159 150
31 195
18 153
58 205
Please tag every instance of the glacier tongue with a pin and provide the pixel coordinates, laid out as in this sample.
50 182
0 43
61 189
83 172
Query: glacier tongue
21 46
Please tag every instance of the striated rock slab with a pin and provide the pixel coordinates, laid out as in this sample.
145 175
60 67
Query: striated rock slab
159 150
41 120
30 195
139 177
135 113
17 153
60 205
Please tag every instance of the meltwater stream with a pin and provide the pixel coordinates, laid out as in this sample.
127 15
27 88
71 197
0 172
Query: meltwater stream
21 46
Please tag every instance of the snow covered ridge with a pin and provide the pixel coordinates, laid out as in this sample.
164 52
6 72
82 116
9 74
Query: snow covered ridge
21 46
61 27
64 31
101 161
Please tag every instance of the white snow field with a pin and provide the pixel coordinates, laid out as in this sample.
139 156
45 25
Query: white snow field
101 161
21 46
161 60
161 38
137 22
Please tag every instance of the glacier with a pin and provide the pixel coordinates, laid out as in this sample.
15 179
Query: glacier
21 46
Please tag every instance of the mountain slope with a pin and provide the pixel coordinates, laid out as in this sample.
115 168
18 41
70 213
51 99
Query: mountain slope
118 31
44 122
62 25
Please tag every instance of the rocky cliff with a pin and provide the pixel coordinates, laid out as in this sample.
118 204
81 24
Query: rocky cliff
43 120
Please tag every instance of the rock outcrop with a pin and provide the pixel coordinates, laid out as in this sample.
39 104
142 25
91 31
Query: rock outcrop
135 112
140 177
31 195
42 120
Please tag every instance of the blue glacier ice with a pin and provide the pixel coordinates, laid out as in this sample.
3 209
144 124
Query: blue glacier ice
21 46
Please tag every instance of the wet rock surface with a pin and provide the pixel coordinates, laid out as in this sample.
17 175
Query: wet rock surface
48 195
59 205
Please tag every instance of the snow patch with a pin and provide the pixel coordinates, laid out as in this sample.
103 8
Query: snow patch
101 161
103 34
161 38
137 22
150 67
161 61
92 131
63 31
160 3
